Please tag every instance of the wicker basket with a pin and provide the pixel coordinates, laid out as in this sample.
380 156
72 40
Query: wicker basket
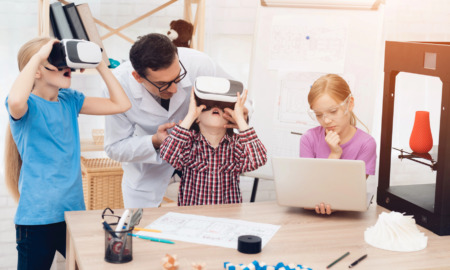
102 183
98 136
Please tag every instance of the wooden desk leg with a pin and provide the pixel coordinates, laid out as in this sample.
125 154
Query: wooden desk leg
70 253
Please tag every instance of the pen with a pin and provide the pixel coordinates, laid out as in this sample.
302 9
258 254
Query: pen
146 230
109 229
296 133
153 239
338 259
357 261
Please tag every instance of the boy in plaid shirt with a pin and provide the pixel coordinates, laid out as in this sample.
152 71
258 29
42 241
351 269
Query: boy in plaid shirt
210 156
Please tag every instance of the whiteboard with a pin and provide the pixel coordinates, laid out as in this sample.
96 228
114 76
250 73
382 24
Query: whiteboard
292 47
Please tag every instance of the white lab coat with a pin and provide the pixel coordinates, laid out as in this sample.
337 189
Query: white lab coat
128 136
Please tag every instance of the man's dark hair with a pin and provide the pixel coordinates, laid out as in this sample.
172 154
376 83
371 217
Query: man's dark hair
154 51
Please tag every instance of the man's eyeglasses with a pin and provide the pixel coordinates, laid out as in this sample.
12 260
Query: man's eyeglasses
332 113
166 85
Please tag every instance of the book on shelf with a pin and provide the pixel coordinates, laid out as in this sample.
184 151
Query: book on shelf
59 23
75 22
91 28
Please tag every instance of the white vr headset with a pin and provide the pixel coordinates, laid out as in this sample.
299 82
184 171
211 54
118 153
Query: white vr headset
75 54
217 89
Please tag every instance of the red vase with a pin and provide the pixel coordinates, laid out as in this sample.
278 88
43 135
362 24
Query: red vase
421 140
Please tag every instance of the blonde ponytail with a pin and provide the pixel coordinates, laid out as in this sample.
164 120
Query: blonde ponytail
13 163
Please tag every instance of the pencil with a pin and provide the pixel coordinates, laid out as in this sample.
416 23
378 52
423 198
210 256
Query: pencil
338 259
146 230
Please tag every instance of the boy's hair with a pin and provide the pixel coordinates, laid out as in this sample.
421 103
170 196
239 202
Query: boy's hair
210 104
13 162
337 88
154 51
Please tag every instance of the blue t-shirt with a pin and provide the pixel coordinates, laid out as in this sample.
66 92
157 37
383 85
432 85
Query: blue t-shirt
48 141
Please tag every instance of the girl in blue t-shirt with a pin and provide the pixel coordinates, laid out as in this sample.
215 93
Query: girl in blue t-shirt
43 149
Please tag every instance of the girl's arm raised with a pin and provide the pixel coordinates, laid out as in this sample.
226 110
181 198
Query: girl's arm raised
117 102
22 86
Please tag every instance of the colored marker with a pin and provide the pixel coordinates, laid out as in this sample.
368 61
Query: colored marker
338 259
153 239
146 230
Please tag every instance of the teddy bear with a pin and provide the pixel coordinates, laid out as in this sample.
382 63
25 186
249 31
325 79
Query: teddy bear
181 33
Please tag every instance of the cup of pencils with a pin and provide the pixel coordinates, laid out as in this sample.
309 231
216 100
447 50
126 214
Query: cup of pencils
118 243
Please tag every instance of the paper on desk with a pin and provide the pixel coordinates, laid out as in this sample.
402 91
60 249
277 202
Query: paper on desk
222 232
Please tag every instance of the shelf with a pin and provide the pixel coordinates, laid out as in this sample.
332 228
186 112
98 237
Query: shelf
197 20
422 158
420 195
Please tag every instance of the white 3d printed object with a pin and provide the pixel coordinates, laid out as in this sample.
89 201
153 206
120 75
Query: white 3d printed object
396 232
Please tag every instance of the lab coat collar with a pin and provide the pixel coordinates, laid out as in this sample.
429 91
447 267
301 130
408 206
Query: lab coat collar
150 105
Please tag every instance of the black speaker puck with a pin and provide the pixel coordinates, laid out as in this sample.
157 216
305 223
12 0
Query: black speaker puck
249 244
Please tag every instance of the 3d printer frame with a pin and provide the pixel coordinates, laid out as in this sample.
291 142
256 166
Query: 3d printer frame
428 203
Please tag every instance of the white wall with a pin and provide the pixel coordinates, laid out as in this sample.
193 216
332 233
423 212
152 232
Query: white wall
404 20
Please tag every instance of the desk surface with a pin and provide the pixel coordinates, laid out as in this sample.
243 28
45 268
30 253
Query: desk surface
304 238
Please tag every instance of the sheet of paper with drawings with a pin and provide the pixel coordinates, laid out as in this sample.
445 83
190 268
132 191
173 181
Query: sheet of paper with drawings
222 232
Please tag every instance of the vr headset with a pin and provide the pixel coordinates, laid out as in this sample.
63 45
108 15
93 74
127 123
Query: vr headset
215 91
75 54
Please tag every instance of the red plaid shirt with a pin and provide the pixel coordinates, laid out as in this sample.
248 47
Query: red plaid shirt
211 176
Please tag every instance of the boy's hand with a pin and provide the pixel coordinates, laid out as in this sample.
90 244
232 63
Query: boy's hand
232 123
238 116
193 112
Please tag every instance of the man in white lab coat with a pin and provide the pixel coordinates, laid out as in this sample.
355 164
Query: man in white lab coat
158 80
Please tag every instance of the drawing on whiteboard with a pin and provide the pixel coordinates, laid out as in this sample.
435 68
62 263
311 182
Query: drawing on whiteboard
293 98
221 232
293 101
308 44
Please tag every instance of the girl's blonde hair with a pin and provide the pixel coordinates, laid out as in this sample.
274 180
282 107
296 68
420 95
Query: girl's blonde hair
337 88
13 162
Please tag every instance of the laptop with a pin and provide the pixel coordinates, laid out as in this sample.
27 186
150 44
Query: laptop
306 182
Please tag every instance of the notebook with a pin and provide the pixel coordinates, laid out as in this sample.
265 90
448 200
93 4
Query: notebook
306 182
